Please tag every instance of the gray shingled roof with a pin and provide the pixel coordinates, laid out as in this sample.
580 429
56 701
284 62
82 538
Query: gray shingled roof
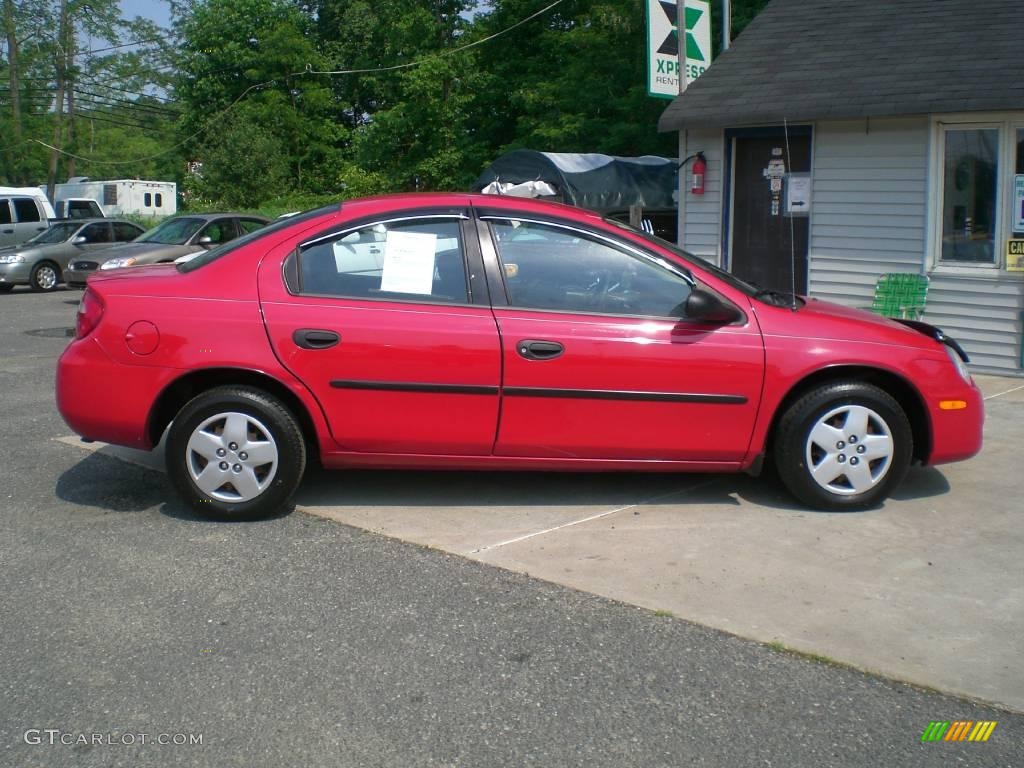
834 59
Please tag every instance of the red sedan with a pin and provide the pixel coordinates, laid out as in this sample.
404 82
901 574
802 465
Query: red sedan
472 332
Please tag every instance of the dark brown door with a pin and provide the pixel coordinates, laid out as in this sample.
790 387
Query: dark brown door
766 250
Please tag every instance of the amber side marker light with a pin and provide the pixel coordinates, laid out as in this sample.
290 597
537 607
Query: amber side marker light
952 405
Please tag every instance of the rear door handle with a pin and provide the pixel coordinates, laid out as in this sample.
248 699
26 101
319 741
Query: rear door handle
535 349
312 338
8 231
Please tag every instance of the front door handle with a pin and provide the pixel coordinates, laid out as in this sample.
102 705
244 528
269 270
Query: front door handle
534 349
312 338
8 231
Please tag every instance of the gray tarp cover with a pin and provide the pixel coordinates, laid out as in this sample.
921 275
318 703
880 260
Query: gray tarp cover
597 182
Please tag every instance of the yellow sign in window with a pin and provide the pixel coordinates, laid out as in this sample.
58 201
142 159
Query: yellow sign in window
1015 255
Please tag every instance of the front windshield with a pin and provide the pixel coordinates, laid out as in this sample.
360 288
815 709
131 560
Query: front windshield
172 231
58 233
726 277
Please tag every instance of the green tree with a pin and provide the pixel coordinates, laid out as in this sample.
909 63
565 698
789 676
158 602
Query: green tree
243 62
573 80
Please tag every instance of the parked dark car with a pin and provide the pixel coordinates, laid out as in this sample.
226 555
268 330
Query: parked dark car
167 241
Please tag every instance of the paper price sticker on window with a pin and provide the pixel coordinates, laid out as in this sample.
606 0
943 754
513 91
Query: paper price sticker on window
409 262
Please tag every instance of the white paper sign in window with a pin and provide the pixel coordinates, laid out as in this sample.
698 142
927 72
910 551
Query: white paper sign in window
409 262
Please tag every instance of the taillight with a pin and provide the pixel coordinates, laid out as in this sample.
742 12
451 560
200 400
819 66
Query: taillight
90 310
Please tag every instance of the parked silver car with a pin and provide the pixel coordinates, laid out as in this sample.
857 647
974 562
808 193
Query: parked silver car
42 262
172 238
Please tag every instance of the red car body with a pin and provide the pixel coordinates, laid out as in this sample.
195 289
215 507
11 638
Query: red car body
423 384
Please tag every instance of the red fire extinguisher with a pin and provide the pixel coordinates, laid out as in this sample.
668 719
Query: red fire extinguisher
699 167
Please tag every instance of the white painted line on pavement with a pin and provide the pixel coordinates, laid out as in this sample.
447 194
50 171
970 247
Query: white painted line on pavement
598 516
1000 394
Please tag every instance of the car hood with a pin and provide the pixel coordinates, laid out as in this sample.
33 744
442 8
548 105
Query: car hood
146 252
826 320
33 251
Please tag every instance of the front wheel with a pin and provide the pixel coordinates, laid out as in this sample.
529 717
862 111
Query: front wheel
236 453
843 446
44 277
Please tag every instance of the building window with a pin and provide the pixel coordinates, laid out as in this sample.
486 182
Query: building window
110 194
159 200
147 200
969 195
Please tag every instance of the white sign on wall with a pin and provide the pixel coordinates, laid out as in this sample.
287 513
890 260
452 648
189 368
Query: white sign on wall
663 45
1018 203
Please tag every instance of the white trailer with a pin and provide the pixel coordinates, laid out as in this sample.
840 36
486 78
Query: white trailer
120 197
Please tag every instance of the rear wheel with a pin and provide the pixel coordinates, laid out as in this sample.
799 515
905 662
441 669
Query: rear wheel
236 453
843 446
44 277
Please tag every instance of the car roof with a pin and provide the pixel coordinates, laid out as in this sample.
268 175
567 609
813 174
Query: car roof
462 199
213 216
93 220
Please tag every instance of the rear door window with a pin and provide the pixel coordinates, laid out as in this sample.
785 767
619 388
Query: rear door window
25 209
404 260
5 212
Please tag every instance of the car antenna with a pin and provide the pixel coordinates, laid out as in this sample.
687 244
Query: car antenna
792 236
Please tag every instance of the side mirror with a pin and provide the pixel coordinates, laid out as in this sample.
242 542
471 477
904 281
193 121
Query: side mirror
206 241
705 307
80 240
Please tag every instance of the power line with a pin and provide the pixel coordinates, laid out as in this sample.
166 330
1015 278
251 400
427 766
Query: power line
137 105
439 55
88 104
307 71
92 51
91 82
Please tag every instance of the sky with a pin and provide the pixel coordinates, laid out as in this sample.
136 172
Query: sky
156 10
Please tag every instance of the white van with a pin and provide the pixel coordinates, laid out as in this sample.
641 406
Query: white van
24 213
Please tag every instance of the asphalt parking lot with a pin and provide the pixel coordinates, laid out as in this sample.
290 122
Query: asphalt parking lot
310 639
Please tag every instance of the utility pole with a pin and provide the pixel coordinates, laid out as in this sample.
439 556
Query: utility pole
61 66
681 204
726 25
11 34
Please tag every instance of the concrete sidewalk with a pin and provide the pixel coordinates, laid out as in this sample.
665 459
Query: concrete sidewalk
928 589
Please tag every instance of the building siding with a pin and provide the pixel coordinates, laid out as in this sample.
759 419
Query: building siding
702 231
983 314
870 216
869 205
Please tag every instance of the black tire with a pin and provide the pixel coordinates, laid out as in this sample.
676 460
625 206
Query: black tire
45 277
6 288
262 416
863 470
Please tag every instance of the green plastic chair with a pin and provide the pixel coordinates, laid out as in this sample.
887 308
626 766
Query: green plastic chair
900 294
